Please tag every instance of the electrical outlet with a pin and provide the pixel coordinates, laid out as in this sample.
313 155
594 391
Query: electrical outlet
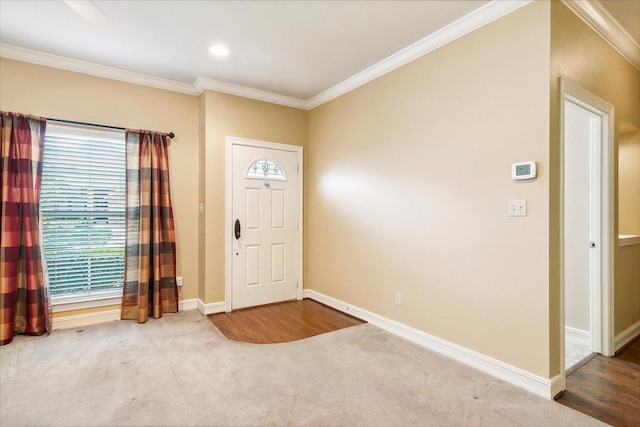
179 280
398 298
517 208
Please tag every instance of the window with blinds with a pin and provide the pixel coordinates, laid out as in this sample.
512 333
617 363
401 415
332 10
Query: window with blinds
82 204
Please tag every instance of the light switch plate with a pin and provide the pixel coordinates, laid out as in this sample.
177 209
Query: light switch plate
517 208
398 298
179 280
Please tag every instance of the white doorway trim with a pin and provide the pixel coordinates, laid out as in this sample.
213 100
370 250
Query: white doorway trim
230 141
603 301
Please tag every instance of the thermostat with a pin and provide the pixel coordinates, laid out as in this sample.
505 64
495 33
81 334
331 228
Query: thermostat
523 170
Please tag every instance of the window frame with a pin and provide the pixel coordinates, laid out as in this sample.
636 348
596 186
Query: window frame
267 177
95 298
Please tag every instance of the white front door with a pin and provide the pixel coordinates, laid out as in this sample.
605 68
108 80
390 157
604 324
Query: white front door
264 225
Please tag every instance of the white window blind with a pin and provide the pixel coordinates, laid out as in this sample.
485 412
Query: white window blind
82 204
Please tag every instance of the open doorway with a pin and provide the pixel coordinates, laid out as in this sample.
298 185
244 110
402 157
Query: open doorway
587 225
582 231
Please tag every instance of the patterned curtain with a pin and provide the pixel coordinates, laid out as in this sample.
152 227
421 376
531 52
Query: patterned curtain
24 305
150 258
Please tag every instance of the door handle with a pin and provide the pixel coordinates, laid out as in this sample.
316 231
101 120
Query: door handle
237 229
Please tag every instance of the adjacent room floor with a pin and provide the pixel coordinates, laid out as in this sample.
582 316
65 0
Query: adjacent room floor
575 353
608 388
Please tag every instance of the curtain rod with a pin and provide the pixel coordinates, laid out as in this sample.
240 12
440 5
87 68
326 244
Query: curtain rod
169 134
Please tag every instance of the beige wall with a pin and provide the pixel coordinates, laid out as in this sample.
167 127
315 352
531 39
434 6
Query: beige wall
229 115
408 181
581 55
629 179
54 93
628 274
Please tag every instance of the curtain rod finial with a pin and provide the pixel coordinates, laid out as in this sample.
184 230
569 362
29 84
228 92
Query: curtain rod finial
171 135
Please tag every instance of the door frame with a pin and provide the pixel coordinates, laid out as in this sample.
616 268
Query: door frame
603 304
230 142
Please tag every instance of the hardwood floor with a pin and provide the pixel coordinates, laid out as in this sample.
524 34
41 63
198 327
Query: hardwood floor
631 353
281 322
608 388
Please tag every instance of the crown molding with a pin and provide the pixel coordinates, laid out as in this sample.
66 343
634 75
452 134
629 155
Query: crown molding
468 23
69 64
605 25
202 83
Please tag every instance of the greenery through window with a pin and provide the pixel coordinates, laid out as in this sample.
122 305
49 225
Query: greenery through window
82 205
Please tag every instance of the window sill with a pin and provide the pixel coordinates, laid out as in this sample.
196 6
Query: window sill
79 303
628 239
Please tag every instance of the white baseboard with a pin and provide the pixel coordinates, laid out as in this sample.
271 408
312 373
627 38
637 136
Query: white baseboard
81 320
626 336
546 388
188 304
577 335
205 309
210 308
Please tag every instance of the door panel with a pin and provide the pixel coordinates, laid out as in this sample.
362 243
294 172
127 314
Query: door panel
264 266
278 266
278 208
582 230
253 207
577 217
252 265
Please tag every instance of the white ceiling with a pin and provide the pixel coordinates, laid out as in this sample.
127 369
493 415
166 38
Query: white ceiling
297 49
292 48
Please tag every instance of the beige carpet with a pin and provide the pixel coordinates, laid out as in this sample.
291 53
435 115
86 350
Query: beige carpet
180 370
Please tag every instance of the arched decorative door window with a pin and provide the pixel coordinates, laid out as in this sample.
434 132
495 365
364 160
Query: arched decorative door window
266 169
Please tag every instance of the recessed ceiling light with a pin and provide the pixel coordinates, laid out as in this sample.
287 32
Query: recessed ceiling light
219 50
